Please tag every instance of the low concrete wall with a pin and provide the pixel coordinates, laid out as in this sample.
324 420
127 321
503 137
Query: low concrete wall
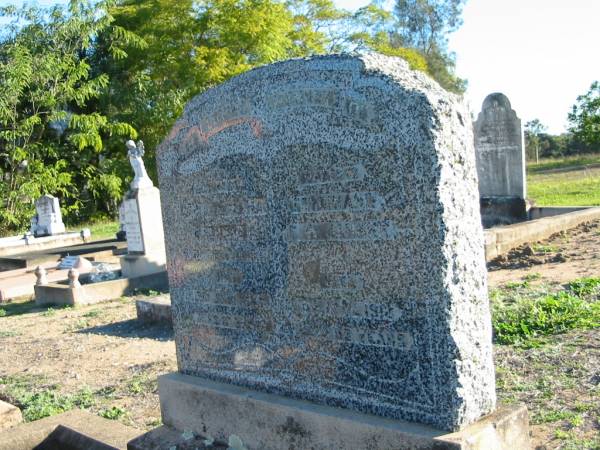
500 240
12 245
87 294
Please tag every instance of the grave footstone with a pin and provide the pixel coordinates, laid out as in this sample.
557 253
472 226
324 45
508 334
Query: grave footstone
48 218
500 162
140 215
326 265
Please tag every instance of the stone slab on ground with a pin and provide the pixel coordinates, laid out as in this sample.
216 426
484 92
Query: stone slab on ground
73 430
10 415
155 310
271 422
500 240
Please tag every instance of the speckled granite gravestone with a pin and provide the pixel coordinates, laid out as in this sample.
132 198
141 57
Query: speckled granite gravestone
500 160
324 240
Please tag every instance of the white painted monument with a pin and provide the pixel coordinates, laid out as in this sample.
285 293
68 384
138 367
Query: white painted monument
48 218
140 216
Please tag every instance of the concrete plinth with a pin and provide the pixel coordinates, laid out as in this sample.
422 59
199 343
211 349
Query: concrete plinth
140 265
502 210
10 415
155 310
272 422
72 430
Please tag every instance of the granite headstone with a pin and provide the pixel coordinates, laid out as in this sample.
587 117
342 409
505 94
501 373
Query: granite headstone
48 218
324 240
500 161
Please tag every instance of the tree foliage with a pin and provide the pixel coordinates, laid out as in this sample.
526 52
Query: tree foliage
424 25
48 141
584 118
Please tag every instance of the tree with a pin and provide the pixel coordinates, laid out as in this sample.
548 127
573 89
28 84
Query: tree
584 118
533 130
372 30
424 25
191 46
49 143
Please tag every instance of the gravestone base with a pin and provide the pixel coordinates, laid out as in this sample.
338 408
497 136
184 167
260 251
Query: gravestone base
271 422
140 265
502 210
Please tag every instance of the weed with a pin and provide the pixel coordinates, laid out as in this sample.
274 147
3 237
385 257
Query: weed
4 334
584 287
107 391
539 248
92 313
113 413
49 312
37 400
154 423
563 435
516 285
2 312
524 321
532 276
79 325
553 416
140 384
582 407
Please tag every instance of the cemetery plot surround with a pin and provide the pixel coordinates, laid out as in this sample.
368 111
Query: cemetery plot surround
324 240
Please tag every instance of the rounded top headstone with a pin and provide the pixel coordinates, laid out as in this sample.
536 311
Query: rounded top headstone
496 100
324 239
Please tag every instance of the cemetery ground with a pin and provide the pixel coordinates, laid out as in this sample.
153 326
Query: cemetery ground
545 300
571 181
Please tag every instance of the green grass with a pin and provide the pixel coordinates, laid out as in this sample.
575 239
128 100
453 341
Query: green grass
101 230
522 316
18 308
565 189
569 188
562 163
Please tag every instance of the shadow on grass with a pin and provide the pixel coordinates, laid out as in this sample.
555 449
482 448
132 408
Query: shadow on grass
132 328
20 308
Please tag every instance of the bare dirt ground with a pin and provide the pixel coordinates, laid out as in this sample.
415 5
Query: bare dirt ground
102 349
561 258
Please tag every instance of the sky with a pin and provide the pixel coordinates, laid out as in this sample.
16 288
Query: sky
541 53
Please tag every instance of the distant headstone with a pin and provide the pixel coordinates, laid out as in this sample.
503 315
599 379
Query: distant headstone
140 215
132 226
324 243
48 218
74 262
68 262
500 161
121 233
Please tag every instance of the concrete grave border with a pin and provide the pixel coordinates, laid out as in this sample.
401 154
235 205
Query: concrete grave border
546 221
